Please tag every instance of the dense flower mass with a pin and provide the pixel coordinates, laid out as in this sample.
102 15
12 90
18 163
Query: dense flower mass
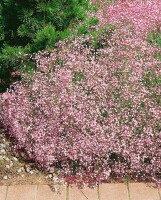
91 114
143 14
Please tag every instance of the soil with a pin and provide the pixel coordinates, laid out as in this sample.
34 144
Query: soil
15 170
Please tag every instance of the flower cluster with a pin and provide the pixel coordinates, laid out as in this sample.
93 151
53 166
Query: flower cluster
143 14
91 114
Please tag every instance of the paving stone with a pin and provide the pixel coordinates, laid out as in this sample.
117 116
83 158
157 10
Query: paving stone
44 192
159 191
83 194
3 190
140 191
111 191
21 192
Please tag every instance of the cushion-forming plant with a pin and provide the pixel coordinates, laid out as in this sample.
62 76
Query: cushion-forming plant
91 114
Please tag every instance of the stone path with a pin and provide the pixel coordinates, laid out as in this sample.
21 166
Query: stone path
119 191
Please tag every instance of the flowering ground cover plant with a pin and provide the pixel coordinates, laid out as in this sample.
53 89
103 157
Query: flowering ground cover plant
92 111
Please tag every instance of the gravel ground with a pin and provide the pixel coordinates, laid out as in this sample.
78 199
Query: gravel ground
16 170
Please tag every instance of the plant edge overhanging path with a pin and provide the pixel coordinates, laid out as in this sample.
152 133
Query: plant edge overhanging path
118 78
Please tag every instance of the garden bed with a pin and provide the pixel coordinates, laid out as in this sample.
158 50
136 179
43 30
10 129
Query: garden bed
92 110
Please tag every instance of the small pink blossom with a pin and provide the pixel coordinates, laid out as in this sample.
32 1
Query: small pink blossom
6 95
16 73
93 113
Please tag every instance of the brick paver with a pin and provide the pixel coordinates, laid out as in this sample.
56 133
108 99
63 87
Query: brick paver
22 192
159 191
140 191
3 191
134 191
44 192
83 194
114 192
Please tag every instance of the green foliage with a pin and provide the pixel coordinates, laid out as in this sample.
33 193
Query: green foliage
45 38
157 56
98 36
78 76
157 98
98 3
151 79
10 55
104 112
29 26
142 105
155 38
105 31
85 27
126 180
10 59
1 162
60 62
93 21
127 104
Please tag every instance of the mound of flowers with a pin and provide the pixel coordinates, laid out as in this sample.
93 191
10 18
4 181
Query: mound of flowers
143 14
91 112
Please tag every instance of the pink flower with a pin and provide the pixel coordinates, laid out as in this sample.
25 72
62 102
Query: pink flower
6 95
25 75
16 73
92 114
